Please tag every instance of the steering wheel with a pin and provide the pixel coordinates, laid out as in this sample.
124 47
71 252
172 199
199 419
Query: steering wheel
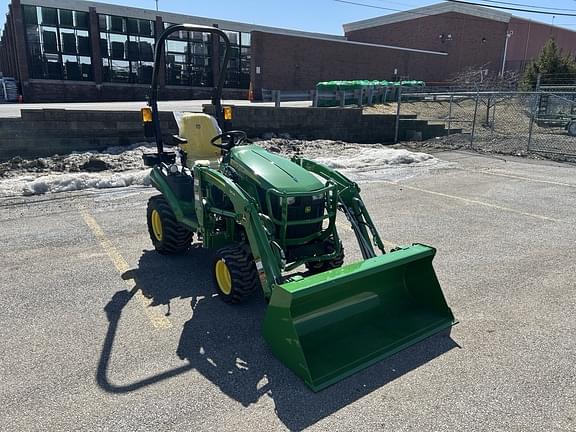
229 139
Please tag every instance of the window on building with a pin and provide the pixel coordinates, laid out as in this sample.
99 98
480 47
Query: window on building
127 47
189 59
58 43
238 75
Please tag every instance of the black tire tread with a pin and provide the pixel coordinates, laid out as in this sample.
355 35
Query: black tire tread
176 237
245 280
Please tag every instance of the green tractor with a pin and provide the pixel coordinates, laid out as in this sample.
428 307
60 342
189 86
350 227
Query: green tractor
265 216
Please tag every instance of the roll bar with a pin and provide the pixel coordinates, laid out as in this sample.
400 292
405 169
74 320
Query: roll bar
217 92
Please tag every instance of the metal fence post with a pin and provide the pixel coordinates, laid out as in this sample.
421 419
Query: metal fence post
534 109
277 98
535 105
450 113
398 105
474 120
493 123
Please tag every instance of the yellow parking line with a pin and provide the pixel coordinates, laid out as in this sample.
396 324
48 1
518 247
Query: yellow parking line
472 201
158 319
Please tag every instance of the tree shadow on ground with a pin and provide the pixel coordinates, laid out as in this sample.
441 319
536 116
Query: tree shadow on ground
224 344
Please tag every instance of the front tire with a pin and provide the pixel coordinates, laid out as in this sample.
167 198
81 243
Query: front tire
234 273
572 128
168 236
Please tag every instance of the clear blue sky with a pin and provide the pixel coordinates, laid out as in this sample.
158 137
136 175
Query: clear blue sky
324 16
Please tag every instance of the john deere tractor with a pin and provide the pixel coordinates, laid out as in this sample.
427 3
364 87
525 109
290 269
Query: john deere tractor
264 216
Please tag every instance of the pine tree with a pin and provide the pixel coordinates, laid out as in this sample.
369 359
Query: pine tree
553 66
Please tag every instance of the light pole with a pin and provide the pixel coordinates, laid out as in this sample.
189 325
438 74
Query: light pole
509 34
156 5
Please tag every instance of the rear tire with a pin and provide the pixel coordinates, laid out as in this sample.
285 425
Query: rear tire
315 267
168 236
234 273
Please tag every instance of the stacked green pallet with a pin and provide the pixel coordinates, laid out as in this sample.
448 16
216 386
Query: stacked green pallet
332 87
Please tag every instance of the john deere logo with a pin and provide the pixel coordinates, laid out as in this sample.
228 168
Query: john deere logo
307 209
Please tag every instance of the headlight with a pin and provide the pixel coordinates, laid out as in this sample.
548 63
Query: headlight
317 197
291 200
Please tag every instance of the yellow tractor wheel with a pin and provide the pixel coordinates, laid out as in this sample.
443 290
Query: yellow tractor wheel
235 274
167 235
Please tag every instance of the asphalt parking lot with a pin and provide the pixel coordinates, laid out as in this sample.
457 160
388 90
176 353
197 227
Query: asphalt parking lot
101 333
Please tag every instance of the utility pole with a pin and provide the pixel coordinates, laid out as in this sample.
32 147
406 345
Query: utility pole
156 5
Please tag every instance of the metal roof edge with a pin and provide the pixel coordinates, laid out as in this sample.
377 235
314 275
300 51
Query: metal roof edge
435 9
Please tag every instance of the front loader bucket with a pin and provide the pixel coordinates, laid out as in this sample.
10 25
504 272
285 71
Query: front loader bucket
328 326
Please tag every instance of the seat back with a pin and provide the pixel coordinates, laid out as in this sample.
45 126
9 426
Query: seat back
198 129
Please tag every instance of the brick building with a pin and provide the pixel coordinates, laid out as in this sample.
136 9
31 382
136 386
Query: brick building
473 37
75 50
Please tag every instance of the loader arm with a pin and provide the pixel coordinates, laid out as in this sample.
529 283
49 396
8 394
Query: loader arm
268 263
352 206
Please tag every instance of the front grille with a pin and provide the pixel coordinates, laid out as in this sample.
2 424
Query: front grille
303 209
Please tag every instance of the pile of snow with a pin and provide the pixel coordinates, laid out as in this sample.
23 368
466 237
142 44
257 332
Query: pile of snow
359 162
123 167
54 183
115 159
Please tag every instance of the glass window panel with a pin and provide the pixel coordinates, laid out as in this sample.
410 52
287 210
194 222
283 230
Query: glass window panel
145 27
53 67
33 39
81 20
176 58
49 16
50 40
86 68
104 48
233 36
117 49
246 39
66 18
199 49
120 71
143 72
132 50
68 41
71 68
30 15
103 22
83 45
117 24
146 50
132 25
177 46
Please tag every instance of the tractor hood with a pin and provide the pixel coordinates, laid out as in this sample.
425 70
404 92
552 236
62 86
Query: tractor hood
270 170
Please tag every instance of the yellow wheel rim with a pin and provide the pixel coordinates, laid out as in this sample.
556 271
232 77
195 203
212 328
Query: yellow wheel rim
157 225
223 277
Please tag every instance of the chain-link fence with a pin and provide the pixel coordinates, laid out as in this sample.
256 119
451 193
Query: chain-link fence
500 122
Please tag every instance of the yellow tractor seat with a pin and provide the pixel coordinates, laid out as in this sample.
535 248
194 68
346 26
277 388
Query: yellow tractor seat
198 129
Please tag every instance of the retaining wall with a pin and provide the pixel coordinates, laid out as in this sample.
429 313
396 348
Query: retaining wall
47 132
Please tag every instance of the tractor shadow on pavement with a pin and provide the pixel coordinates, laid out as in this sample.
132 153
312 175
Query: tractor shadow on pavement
224 344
